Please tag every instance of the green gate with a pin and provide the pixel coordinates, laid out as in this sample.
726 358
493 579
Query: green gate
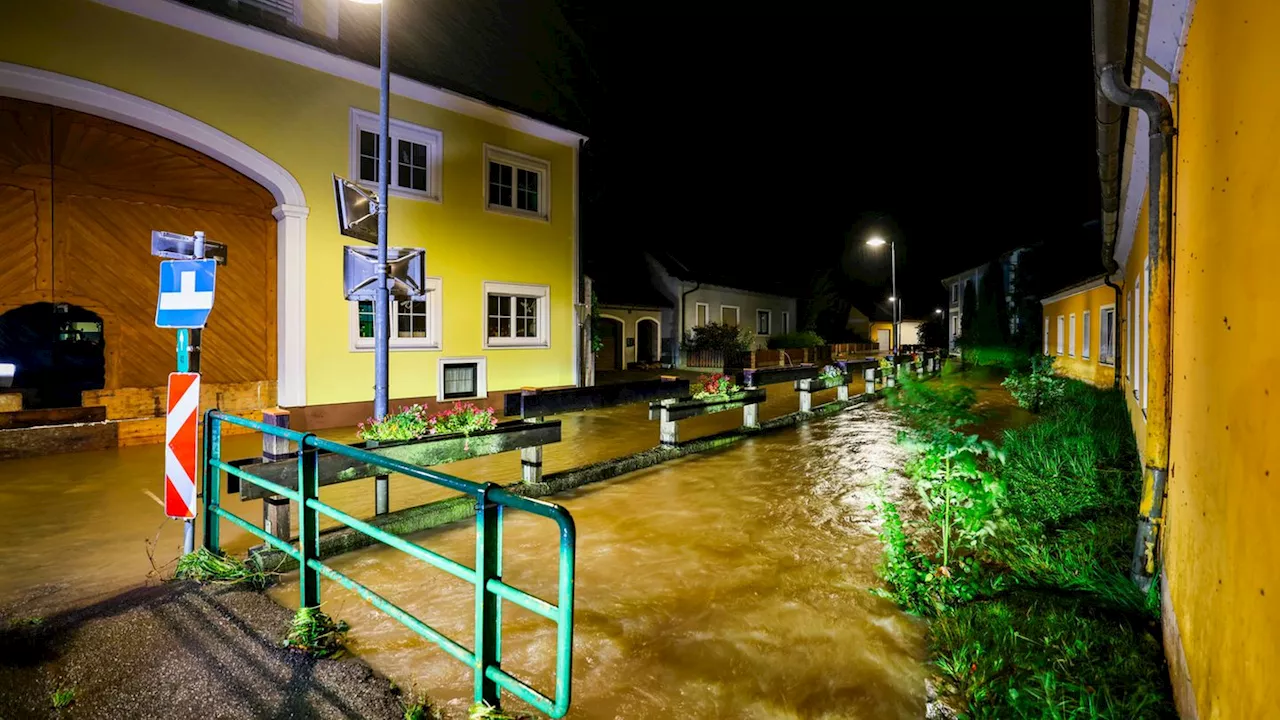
491 500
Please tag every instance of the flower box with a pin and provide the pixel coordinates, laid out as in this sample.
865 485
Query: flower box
423 452
684 408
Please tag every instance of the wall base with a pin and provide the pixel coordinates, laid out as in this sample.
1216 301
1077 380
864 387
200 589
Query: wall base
1184 693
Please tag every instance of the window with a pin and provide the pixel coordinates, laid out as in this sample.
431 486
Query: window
1088 330
417 153
763 320
1107 331
463 378
290 10
516 315
1046 336
701 314
786 322
1062 331
729 315
1146 330
415 322
517 184
955 293
1128 345
1071 336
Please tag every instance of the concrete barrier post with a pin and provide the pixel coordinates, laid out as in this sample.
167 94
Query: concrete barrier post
919 368
668 429
870 376
806 399
842 393
531 461
275 509
751 415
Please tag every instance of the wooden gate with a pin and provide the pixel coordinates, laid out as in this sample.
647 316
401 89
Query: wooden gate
79 196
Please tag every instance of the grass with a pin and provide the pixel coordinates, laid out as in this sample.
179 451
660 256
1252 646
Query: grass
316 634
485 711
63 697
204 566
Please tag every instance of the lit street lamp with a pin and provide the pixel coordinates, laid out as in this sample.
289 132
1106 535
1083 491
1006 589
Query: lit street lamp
877 241
381 302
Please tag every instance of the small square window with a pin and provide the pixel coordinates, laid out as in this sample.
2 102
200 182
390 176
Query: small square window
460 380
763 318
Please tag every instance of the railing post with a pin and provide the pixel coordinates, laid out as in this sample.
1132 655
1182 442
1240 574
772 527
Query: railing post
531 461
275 509
308 524
488 605
869 375
668 429
842 391
806 396
212 480
751 415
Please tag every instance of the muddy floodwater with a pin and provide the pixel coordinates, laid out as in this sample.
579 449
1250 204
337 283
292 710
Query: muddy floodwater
731 584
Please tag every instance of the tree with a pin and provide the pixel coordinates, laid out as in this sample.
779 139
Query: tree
991 326
931 333
968 312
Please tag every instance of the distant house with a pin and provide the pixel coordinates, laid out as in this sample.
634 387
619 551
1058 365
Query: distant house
956 284
648 303
859 323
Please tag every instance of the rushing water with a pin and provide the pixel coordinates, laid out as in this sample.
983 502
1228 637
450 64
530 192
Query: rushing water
725 585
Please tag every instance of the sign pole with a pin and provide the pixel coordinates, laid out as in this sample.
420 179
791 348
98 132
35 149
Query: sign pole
381 309
188 360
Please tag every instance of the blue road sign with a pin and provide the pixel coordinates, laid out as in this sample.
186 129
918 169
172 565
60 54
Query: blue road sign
186 293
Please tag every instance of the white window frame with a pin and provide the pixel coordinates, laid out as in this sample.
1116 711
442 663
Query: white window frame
294 15
1146 330
737 315
786 321
1115 331
434 298
706 315
1128 336
482 377
542 292
1071 335
518 161
1046 336
1062 331
768 314
1086 328
361 120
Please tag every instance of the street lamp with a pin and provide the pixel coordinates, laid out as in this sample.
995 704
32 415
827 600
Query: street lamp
877 241
381 302
937 311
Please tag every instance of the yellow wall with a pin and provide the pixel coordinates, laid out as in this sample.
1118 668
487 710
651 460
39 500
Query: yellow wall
1088 369
1222 542
299 118
1133 378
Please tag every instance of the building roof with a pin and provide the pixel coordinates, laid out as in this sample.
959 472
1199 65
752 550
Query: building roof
697 265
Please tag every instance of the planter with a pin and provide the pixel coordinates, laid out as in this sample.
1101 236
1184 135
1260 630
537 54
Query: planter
818 383
682 409
425 452
773 376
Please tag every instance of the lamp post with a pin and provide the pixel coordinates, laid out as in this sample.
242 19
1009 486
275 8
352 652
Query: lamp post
877 241
381 301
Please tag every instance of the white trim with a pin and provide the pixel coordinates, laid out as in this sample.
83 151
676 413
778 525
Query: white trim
518 161
482 377
578 300
1115 333
433 296
1071 335
707 316
1046 336
1062 330
737 314
216 27
542 292
657 347
769 314
1086 329
332 17
42 86
786 322
1146 328
362 120
1075 290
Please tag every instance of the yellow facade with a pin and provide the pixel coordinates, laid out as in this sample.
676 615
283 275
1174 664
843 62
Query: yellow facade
1084 358
1222 539
299 117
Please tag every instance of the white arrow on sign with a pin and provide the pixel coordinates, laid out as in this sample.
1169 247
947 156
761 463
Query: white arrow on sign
187 297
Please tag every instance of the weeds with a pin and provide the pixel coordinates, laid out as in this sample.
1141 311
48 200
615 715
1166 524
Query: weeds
316 634
204 566
63 697
485 711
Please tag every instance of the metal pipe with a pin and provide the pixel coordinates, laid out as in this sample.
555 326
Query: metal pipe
1110 48
683 298
381 302
897 301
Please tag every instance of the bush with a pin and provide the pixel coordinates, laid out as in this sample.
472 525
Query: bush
800 339
1036 387
414 422
999 356
714 386
714 336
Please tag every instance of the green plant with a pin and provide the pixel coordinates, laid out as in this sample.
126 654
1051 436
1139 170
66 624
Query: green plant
485 711
715 336
315 633
29 623
1037 386
916 581
1004 357
62 697
204 566
797 339
464 418
962 498
414 422
718 385
831 373
929 407
597 342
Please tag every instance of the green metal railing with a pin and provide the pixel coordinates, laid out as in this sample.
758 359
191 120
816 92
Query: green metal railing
486 576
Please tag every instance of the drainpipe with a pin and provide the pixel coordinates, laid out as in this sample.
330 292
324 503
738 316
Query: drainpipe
1110 19
683 297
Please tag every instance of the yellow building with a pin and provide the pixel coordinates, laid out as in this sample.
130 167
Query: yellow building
1196 347
1080 331
123 116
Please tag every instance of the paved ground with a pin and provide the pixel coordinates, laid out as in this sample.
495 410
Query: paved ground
178 650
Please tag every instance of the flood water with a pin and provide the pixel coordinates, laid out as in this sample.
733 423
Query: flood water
731 584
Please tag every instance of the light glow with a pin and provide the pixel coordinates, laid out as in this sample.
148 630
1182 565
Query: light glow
875 241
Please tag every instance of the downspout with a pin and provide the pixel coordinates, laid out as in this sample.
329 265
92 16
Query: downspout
683 297
1110 17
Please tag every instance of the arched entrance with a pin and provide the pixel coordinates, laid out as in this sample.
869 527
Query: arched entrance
648 346
611 336
288 214
79 197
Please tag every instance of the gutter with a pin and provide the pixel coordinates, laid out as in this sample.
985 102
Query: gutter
684 296
1110 34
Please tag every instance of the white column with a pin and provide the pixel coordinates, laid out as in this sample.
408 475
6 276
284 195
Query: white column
291 304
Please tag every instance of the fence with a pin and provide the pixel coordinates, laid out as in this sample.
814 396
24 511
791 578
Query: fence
486 576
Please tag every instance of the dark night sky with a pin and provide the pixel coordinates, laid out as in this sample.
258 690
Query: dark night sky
779 138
